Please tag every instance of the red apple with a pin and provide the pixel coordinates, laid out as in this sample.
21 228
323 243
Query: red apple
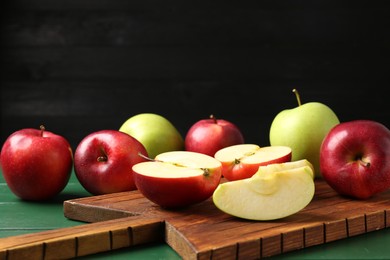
178 178
207 136
355 158
103 161
36 164
243 160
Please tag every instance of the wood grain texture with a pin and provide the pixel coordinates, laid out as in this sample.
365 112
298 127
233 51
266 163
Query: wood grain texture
201 231
82 240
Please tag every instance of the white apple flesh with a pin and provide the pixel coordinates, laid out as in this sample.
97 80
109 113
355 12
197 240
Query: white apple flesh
178 178
272 193
355 158
243 160
277 167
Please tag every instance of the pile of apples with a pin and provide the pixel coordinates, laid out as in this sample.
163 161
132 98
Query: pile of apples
245 180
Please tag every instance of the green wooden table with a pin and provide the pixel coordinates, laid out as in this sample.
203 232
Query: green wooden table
20 217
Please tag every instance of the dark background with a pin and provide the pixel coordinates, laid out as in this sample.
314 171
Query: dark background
79 66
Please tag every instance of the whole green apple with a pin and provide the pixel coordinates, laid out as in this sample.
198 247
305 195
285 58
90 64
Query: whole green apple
155 132
303 129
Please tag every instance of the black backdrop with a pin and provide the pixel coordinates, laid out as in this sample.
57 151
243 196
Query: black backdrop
79 66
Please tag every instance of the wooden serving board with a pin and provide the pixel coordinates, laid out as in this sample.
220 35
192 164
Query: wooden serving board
200 231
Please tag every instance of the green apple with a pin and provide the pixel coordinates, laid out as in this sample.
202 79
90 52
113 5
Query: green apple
275 191
303 128
155 132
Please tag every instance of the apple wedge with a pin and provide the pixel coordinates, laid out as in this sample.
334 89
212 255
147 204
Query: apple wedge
178 178
274 192
277 167
243 160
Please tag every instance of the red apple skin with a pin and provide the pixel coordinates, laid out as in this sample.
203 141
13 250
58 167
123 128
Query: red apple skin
355 158
36 164
177 192
103 161
207 136
232 171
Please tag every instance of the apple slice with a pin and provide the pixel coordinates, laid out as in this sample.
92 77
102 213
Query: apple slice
274 192
178 178
277 167
243 160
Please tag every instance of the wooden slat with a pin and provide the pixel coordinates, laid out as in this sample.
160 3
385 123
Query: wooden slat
87 63
186 26
169 4
82 240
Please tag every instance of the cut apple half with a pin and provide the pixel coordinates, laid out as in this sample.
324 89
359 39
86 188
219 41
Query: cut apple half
243 160
178 178
272 193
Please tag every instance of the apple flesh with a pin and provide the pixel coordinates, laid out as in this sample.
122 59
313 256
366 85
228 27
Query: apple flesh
103 161
303 128
277 167
243 160
274 192
207 136
156 133
178 178
36 163
355 158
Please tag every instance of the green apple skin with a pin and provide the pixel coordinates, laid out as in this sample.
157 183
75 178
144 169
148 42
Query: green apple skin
155 132
303 129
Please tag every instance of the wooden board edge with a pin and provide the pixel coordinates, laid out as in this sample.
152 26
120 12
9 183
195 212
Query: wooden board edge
179 243
297 239
83 240
91 214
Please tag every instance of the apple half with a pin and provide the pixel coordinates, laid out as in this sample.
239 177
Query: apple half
243 160
275 191
178 178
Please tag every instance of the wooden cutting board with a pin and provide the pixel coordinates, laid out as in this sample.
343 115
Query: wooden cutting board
200 231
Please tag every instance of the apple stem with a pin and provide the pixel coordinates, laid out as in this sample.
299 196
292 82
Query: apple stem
102 158
213 118
154 160
297 96
145 157
206 172
42 127
365 164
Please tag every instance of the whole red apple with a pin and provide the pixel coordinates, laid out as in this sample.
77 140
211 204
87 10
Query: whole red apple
207 136
36 164
103 161
355 158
